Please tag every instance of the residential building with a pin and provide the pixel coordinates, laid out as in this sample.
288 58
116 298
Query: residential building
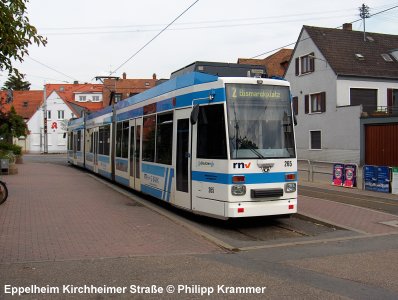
118 89
26 103
275 64
63 102
345 95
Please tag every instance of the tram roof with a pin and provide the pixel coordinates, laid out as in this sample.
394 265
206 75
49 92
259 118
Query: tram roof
176 83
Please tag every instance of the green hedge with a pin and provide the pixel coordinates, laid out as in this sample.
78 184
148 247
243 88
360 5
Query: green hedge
5 147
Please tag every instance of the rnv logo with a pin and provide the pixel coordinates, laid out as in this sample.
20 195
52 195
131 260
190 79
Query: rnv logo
241 165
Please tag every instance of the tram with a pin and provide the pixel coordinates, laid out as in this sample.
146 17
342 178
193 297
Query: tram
208 143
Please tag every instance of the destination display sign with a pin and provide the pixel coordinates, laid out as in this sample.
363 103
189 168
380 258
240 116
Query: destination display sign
253 91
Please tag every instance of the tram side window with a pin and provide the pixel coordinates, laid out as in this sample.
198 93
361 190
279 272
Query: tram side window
119 139
104 140
107 139
70 141
164 139
148 139
122 138
91 142
211 132
79 137
125 140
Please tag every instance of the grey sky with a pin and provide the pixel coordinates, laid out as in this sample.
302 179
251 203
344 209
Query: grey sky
87 38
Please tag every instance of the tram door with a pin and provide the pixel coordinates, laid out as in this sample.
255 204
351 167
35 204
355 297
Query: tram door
135 153
183 158
95 149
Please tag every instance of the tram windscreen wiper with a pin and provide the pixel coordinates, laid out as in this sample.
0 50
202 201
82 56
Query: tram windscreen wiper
246 144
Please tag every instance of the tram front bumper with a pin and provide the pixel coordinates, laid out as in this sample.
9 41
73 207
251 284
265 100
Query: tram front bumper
260 208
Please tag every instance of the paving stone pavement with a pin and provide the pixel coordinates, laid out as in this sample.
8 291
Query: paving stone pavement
61 213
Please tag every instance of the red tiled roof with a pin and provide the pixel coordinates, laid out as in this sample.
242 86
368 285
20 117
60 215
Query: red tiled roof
126 87
26 103
67 93
275 64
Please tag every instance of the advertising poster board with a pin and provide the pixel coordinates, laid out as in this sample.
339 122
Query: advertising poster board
350 176
394 183
370 178
338 174
383 179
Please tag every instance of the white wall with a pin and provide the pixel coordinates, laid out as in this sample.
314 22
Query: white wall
55 128
344 85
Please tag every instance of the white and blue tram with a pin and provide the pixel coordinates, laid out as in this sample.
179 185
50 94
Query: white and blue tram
217 146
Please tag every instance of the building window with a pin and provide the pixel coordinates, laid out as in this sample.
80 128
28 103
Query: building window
295 105
305 64
315 140
315 103
365 97
82 98
61 115
96 99
49 114
118 97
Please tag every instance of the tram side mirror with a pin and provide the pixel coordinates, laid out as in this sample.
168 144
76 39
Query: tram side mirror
294 120
64 134
195 114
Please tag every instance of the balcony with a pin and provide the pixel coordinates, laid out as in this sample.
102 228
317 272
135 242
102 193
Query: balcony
379 112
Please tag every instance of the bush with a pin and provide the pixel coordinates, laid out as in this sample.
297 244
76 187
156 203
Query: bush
5 147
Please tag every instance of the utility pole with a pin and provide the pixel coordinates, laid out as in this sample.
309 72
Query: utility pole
45 142
364 14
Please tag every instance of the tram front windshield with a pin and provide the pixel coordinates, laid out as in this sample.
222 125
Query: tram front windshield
259 121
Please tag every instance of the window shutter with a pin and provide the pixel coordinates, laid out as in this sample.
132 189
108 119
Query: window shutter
312 62
323 102
389 98
306 103
295 105
297 66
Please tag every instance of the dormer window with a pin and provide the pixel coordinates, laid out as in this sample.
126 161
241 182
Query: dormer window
359 56
394 53
386 57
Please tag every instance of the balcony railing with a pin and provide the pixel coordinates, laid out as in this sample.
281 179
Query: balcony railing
380 112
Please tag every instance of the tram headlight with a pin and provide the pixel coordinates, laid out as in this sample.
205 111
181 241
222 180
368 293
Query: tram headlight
290 187
238 190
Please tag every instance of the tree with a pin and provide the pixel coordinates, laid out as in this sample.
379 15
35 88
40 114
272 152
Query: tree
12 125
16 34
16 83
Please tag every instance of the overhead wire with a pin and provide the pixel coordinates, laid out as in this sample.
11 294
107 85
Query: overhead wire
293 43
150 41
51 68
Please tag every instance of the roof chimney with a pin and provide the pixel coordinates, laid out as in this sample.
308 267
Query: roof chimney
154 76
124 75
347 26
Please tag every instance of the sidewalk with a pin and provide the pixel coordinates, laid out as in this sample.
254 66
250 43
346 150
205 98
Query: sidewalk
355 218
57 212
